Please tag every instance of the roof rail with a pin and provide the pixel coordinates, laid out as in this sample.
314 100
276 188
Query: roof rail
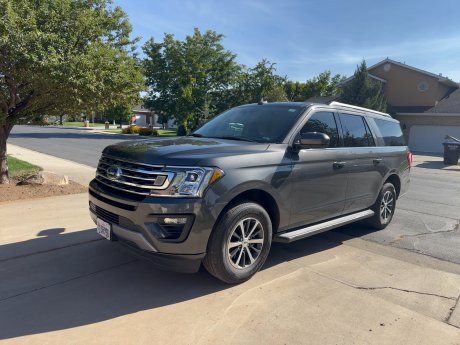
344 105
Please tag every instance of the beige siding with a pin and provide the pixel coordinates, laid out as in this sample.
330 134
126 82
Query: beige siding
401 86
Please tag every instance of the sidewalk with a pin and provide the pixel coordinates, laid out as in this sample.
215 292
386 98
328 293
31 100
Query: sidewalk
432 162
79 173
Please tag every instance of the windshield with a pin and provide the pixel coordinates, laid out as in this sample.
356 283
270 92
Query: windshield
259 123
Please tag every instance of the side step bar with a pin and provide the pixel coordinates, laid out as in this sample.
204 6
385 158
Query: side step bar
311 230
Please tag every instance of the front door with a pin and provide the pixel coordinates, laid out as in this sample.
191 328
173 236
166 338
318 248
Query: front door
319 176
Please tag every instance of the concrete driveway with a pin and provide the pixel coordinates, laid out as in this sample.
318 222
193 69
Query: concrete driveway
62 284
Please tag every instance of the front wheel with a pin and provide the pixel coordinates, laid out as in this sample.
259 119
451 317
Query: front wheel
384 207
239 244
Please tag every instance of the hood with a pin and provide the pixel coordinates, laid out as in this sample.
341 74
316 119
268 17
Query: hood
181 150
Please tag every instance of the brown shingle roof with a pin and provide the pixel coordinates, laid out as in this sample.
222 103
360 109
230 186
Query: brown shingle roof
449 104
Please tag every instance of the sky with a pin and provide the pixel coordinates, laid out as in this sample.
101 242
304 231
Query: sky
304 38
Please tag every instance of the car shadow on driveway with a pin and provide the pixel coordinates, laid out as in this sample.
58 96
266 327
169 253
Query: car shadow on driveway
64 280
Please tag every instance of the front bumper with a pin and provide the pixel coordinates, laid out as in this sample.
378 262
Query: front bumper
130 219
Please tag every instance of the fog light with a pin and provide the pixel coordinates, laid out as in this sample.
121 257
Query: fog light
170 220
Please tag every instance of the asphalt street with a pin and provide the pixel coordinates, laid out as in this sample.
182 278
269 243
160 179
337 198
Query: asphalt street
78 145
426 221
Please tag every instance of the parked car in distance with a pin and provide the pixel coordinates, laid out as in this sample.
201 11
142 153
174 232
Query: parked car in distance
255 174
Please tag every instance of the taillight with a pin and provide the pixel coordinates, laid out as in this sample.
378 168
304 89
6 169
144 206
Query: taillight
409 158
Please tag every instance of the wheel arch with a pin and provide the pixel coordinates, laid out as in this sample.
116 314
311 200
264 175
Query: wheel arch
258 196
394 179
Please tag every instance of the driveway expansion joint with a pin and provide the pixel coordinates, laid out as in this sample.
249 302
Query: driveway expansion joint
67 280
50 250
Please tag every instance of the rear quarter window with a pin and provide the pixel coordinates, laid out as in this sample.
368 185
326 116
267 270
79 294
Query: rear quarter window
391 132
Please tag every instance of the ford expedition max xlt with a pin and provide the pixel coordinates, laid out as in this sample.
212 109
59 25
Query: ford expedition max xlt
254 174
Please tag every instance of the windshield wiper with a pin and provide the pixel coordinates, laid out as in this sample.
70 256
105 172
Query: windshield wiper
236 138
197 135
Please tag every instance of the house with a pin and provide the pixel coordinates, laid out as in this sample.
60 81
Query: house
147 118
143 117
426 104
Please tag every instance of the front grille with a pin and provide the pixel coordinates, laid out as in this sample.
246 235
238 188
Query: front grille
131 177
104 214
113 202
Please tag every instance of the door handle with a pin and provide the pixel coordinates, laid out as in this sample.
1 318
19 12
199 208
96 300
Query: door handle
338 165
377 160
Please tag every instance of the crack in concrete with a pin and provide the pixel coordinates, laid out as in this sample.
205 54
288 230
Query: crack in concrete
425 213
383 287
454 229
451 312
67 280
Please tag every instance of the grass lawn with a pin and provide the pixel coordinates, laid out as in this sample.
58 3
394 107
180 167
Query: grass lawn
19 169
81 124
161 132
167 132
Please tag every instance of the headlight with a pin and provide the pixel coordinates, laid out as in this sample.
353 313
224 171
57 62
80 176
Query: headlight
192 181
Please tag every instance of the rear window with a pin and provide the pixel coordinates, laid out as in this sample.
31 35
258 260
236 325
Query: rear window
391 132
355 131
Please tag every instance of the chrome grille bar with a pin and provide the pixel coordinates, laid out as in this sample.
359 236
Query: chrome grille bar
132 177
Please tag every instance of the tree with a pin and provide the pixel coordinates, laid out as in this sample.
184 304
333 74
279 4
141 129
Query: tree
119 113
262 82
321 86
183 76
63 56
364 92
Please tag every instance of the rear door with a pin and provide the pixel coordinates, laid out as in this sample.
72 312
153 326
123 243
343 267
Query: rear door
319 176
365 165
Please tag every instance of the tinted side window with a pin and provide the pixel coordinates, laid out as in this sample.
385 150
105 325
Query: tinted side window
391 132
355 133
323 122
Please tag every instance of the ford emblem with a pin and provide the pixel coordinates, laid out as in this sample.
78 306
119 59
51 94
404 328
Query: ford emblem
114 172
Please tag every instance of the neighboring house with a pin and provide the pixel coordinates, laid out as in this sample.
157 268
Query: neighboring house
143 116
426 104
146 118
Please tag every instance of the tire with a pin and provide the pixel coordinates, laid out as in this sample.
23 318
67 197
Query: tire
384 207
231 258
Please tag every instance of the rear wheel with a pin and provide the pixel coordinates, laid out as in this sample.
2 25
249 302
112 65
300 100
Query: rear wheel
384 207
239 244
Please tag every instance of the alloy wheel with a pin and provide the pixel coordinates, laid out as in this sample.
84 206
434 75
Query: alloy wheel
245 243
386 206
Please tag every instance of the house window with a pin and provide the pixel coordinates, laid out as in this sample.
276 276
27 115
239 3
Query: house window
422 86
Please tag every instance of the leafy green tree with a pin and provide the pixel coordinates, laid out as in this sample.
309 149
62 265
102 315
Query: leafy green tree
321 86
119 113
364 92
63 56
262 82
183 75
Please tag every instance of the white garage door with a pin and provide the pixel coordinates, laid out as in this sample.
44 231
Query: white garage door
430 138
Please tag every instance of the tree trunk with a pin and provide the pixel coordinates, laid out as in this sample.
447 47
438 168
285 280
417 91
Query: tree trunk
60 119
4 133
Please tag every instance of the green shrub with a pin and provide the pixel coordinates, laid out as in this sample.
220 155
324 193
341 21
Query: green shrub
39 121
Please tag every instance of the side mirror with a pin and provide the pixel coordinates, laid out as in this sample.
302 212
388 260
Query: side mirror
312 140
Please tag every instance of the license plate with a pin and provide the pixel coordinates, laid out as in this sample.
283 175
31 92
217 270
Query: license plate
103 228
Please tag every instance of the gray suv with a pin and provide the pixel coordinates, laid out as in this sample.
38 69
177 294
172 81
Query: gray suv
254 174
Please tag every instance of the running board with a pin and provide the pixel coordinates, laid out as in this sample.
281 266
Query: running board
311 230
